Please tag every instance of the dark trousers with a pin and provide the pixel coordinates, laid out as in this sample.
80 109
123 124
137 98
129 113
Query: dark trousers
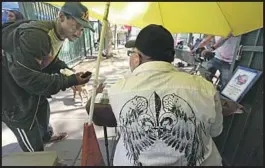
224 68
32 140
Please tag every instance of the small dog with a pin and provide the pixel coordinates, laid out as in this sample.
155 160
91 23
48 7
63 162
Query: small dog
81 89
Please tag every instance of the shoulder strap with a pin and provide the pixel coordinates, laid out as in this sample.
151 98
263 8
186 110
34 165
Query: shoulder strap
14 23
4 25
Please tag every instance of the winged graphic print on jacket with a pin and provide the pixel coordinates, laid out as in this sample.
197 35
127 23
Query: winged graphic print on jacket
177 128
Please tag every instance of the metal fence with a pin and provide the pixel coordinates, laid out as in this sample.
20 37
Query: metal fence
71 52
89 42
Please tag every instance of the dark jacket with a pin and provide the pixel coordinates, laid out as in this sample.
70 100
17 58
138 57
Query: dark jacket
24 84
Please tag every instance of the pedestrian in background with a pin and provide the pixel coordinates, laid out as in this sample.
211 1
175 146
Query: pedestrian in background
13 16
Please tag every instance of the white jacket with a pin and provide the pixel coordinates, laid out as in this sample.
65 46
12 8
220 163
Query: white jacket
166 117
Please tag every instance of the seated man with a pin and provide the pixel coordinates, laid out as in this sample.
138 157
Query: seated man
164 117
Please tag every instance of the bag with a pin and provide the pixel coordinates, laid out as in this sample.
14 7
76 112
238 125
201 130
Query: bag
230 107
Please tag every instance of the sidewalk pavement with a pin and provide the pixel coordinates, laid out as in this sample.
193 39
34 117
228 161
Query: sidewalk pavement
69 116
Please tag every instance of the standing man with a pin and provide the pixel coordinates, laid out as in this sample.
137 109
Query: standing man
31 72
15 16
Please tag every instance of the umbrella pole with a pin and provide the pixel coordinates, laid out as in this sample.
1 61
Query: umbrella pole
91 154
101 45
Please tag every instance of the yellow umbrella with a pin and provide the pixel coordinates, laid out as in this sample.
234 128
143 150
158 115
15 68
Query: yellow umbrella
216 18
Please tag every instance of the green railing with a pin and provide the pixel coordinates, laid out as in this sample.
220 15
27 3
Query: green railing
88 40
71 52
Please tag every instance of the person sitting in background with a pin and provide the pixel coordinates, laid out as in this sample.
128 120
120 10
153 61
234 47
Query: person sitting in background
13 16
224 50
164 117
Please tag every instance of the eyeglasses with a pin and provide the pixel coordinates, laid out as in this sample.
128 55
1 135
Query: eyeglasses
131 52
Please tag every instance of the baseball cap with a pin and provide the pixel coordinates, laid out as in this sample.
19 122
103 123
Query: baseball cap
154 41
79 12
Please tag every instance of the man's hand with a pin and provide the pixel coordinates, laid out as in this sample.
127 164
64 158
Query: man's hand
207 54
196 50
192 52
81 80
100 88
